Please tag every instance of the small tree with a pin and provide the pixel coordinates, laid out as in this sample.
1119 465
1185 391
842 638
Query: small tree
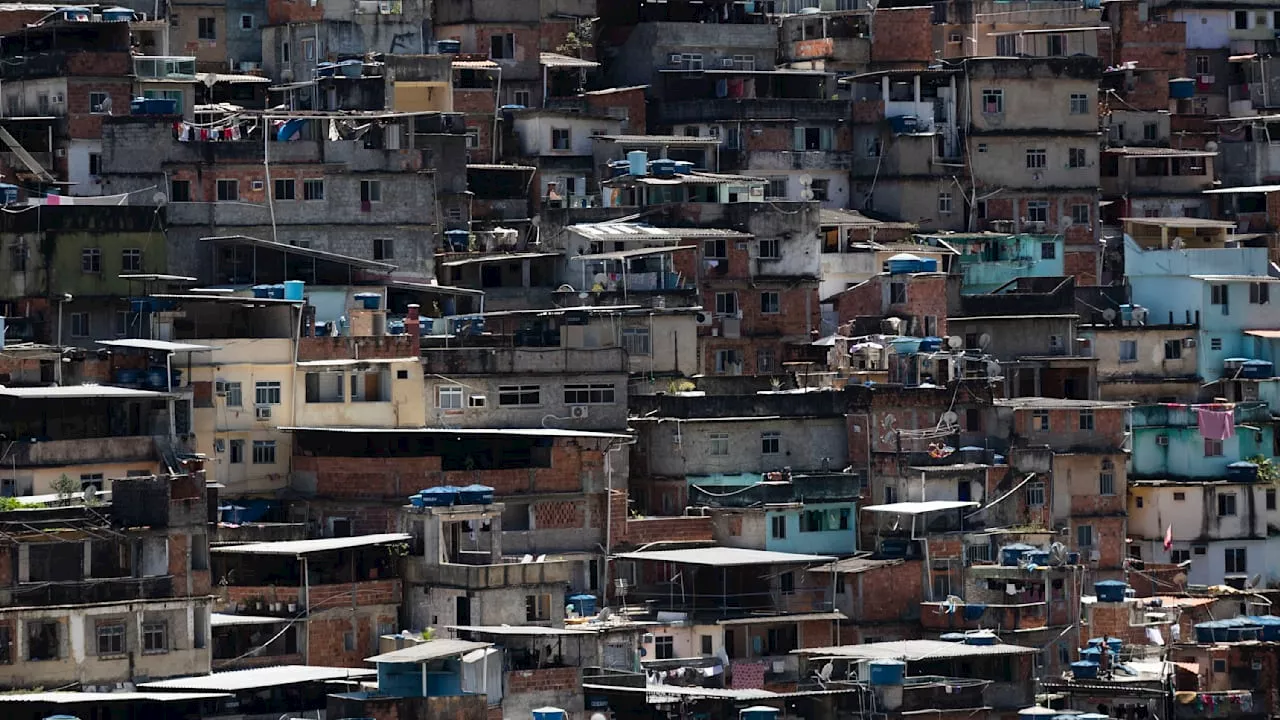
64 487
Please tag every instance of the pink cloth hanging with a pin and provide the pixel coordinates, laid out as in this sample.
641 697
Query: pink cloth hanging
1216 424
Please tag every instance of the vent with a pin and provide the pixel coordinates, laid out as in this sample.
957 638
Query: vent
262 412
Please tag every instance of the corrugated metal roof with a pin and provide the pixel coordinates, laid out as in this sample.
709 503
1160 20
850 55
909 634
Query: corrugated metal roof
80 698
474 65
265 677
1247 189
723 557
430 650
919 508
349 362
498 258
798 617
526 432
694 692
638 252
910 650
551 59
303 547
227 620
660 140
76 391
161 345
856 565
521 630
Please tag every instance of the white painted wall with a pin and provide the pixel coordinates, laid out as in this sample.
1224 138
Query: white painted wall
1205 28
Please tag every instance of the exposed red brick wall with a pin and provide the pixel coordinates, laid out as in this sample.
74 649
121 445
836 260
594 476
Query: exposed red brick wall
669 529
1083 266
559 515
81 122
545 680
632 99
902 36
817 633
926 295
889 593
282 12
369 592
6 566
1112 620
326 637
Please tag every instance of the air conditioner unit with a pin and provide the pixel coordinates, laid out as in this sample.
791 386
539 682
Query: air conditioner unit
1162 440
1188 342
703 318
674 58
219 445
60 152
1206 79
476 401
58 99
220 387
262 412
646 638
579 412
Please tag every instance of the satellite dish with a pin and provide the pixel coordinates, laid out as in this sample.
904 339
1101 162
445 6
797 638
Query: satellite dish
806 179
950 417
806 194
1109 314
955 342
984 340
90 492
160 199
1211 146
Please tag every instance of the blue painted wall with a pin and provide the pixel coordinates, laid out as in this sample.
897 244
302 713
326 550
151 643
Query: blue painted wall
826 542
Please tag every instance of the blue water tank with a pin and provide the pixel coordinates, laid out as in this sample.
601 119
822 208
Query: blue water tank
293 289
117 14
156 378
549 713
457 240
450 47
1204 631
1011 555
1110 590
585 605
904 123
1258 370
905 263
1084 670
475 495
952 637
759 712
442 496
76 14
684 167
262 291
887 672
369 301
663 168
1270 627
129 376
930 344
638 160
981 637
276 292
928 265
1182 88
1242 471
8 193
417 501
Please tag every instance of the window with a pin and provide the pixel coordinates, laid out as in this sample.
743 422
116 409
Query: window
264 452
706 646
1202 64
1236 560
449 397
207 28
91 260
770 249
1035 494
1056 45
1086 419
728 362
1150 131
890 494
1179 496
308 48
99 103
266 393
1213 448
313 189
635 341
1007 45
1271 498
787 581
1038 211
42 640
1128 351
92 479
1084 536
502 46
1241 19
770 443
1215 343
80 324
370 191
1079 104
228 190
284 52
588 394
715 249
517 395
521 98
1177 557
770 303
1048 250
473 138
559 138
1039 419
95 164
1172 349
777 188
744 62
765 361
383 249
778 527
131 260
155 637
180 191
897 293
719 444
873 147
664 647
1037 158
18 256
111 638
1080 214
237 451
285 190
992 101
1107 479
1259 293
813 138
982 147
537 608
944 203
1077 158
821 190
246 22
1226 504
234 395
726 303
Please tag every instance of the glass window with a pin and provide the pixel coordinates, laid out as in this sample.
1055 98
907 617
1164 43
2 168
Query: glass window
80 325
285 189
770 249
1236 560
1213 448
771 443
266 393
207 28
237 451
131 260
1035 494
664 647
180 191
1086 419
516 395
1037 158
449 397
719 444
1080 214
1084 536
588 394
726 303
1039 419
264 452
91 260
1128 351
778 527
111 638
992 101
370 191
155 637
560 139
234 395
1226 504
313 189
1079 104
635 341
770 303
228 190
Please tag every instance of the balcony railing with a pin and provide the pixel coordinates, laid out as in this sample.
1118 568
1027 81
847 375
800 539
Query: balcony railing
93 590
164 67
482 577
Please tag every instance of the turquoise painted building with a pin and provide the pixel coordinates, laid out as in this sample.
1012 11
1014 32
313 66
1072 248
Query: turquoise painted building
989 260
1226 290
1167 443
813 514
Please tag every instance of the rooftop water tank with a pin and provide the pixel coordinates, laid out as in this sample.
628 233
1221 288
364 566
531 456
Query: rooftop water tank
117 14
639 162
1110 590
442 496
549 713
451 47
759 712
1011 555
475 495
1242 471
887 672
1084 670
1182 88
663 167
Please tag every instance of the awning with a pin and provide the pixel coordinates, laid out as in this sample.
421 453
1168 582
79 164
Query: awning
914 650
304 547
1268 334
298 250
639 252
724 557
350 362
550 59
474 65
1242 190
158 345
258 678
799 617
919 508
77 391
102 698
228 620
497 258
518 432
520 630
427 651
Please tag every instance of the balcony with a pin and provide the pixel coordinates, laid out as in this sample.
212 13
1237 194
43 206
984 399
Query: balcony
63 63
164 67
752 109
486 577
93 590
761 160
523 361
1167 416
1222 704
78 452
825 487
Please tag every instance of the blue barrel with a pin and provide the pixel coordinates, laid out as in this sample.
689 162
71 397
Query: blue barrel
549 713
475 495
930 344
117 14
585 605
1011 555
442 496
638 160
1110 590
369 301
128 376
450 47
663 168
1091 654
887 672
8 193
417 501
759 712
262 291
276 292
293 289
156 378
1204 632
1182 88
1084 670
1114 644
